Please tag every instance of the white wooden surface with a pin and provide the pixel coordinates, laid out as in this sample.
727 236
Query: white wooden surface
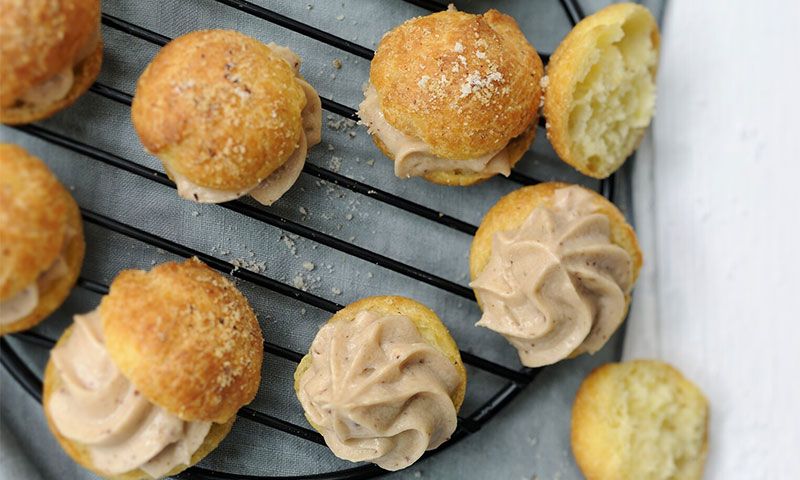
724 257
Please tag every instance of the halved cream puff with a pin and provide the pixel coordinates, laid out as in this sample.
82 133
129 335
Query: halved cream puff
382 382
552 267
227 115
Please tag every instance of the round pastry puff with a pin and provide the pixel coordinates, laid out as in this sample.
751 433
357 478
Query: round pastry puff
37 215
640 420
37 42
427 322
219 108
600 93
511 211
458 111
81 455
187 339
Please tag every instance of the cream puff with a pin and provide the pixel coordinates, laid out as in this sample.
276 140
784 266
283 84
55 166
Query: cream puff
227 115
382 382
453 97
51 53
552 267
41 240
640 420
149 383
601 88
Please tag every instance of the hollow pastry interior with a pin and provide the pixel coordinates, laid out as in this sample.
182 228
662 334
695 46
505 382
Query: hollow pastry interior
557 285
270 189
640 420
57 86
377 391
413 157
109 424
25 302
602 90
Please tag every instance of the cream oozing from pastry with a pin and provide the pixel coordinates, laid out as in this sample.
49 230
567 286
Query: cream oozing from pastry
270 189
24 302
556 286
59 85
413 157
377 391
96 406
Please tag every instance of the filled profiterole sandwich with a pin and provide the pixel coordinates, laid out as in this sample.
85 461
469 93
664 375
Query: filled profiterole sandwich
453 97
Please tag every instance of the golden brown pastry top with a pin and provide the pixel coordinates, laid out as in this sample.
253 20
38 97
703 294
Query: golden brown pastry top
39 38
220 108
34 212
186 338
464 84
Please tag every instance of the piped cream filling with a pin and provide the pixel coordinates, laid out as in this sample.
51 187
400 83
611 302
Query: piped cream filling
270 189
413 157
557 285
377 391
99 408
59 85
25 302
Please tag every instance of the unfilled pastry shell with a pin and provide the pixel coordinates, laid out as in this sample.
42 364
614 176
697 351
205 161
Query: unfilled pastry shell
427 322
220 108
81 455
186 338
596 418
426 47
40 210
571 60
36 42
511 211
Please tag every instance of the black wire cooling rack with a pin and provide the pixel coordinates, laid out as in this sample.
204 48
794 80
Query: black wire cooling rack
515 380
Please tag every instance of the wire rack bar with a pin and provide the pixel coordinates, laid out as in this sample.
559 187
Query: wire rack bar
332 177
263 215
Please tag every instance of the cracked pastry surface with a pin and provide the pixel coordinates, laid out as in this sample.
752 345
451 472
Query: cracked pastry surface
383 382
552 267
453 97
42 240
227 115
149 382
601 89
51 51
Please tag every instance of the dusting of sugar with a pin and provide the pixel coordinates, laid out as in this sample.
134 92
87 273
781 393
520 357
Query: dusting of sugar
459 47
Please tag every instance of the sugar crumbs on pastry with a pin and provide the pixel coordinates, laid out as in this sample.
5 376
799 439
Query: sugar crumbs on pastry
544 81
458 47
423 81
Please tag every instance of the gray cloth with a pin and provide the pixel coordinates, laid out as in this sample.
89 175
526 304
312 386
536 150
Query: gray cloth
529 438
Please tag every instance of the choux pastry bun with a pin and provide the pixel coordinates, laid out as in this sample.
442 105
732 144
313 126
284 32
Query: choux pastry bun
150 382
453 97
41 236
50 53
227 115
601 88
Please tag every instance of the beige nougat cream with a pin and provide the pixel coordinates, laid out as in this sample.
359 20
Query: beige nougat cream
25 302
99 408
413 157
556 286
377 391
270 189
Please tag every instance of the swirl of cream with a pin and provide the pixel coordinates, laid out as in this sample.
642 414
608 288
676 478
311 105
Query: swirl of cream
556 285
99 408
377 391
